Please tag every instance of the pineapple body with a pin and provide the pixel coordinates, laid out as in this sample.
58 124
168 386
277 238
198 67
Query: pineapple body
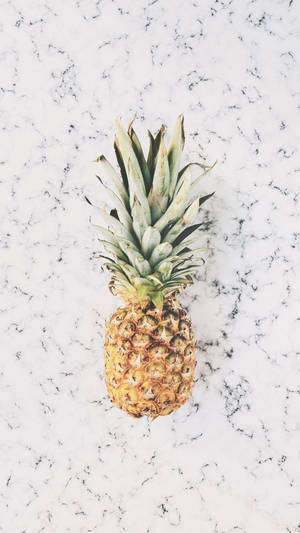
149 358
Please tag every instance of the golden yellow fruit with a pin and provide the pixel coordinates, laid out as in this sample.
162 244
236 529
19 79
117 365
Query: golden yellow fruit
149 358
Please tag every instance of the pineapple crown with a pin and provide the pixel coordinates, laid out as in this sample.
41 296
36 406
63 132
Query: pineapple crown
154 205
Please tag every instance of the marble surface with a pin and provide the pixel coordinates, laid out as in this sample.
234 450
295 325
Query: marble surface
229 460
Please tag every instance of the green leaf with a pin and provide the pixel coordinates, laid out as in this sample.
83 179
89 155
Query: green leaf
189 216
160 252
191 212
114 267
201 165
178 205
129 270
143 287
112 222
121 277
140 156
155 280
179 247
173 259
192 253
143 266
158 196
124 216
113 249
187 270
153 149
205 198
133 170
197 180
110 259
157 298
114 179
142 281
165 269
182 179
150 239
106 233
140 221
121 166
174 153
176 284
150 156
130 250
184 233
137 191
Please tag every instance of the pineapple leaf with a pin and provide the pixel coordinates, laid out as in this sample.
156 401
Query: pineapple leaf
120 278
174 153
191 212
140 156
158 196
173 231
137 190
182 179
123 214
114 179
191 242
130 250
112 222
108 258
160 252
184 250
157 298
143 287
185 233
128 270
106 233
188 217
201 165
110 265
130 160
155 280
187 244
188 269
197 180
142 266
113 249
142 281
204 198
150 240
173 259
153 149
150 157
121 166
165 269
178 205
140 222
177 284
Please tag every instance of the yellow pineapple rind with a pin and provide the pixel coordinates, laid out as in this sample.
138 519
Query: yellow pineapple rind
149 358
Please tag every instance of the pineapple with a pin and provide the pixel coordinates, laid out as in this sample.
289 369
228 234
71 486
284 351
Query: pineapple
149 343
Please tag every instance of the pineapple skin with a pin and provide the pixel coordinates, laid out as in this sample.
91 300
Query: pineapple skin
149 358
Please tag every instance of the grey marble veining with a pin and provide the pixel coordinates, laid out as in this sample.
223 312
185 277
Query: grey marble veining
229 460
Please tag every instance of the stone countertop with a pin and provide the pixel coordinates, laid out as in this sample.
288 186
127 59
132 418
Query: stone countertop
229 460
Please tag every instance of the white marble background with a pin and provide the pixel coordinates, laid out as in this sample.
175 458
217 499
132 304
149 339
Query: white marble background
229 460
